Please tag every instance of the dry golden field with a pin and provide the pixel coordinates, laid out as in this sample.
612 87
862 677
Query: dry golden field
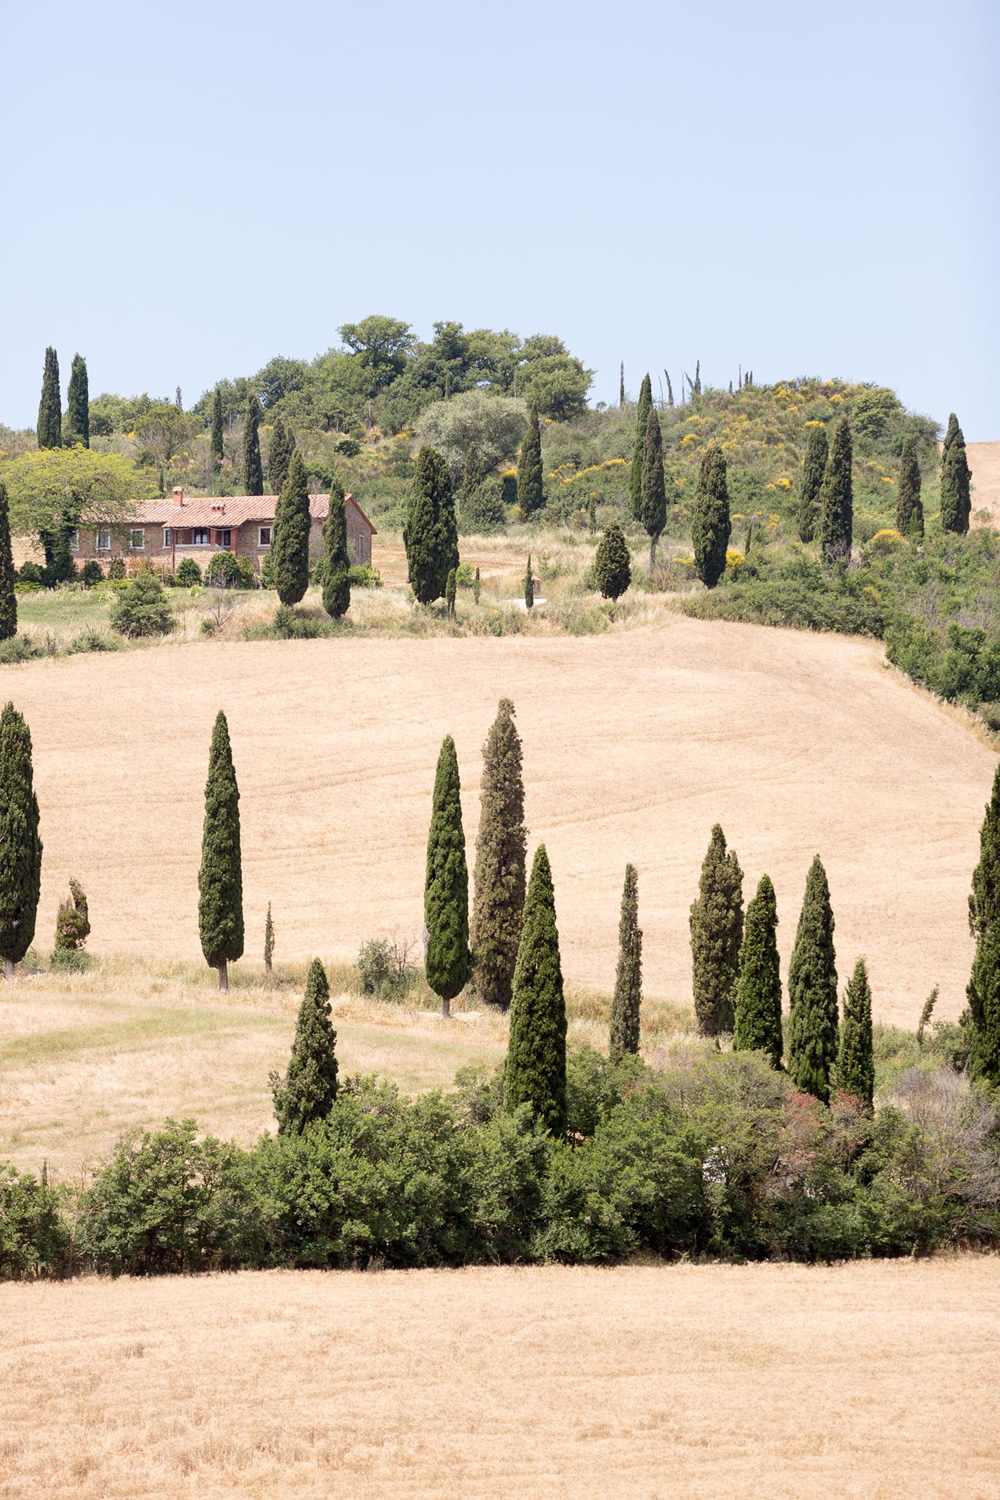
871 1381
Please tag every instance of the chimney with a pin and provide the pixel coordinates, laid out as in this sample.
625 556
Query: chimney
178 495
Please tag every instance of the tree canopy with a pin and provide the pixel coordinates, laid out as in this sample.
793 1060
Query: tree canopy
98 487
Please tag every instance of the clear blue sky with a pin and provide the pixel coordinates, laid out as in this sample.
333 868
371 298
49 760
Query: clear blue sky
193 188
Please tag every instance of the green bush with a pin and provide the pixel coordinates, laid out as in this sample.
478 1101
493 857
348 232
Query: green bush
142 609
92 639
72 960
92 573
33 1237
17 649
30 572
289 626
225 571
364 576
188 573
385 970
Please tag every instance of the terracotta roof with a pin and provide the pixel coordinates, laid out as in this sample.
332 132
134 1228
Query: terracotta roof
227 510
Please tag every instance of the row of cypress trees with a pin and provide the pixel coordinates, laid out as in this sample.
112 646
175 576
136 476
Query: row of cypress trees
50 422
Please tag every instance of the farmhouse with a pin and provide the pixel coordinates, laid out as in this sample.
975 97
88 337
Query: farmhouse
167 530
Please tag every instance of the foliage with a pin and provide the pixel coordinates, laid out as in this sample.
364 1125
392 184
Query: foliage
529 585
711 526
855 1059
78 405
308 1090
627 999
482 511
757 1024
447 961
716 935
492 425
50 405
220 878
216 441
34 1238
336 562
956 504
188 573
812 991
8 598
836 497
253 472
45 485
653 495
289 554
268 940
142 609
279 455
643 407
430 535
984 925
384 969
73 919
20 844
535 1070
224 571
810 482
612 564
92 573
530 484
909 507
500 874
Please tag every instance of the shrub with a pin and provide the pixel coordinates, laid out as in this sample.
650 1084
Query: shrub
142 609
92 573
92 639
225 571
482 511
385 968
33 1237
116 568
70 960
364 576
289 626
188 573
30 572
17 649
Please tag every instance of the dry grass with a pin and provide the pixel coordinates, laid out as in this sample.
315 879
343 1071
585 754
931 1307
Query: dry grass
872 1381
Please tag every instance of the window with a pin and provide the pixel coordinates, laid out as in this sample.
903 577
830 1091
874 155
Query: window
74 541
263 536
199 537
103 541
225 539
137 539
167 537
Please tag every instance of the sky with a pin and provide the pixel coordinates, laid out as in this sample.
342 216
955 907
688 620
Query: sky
798 190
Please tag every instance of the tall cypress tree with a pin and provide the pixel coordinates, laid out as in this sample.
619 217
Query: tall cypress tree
812 991
711 526
279 455
500 875
956 476
430 535
627 999
535 1070
50 405
716 936
336 562
8 598
654 491
530 484
639 447
290 537
215 442
836 497
253 472
308 1090
909 507
269 940
20 844
78 404
446 886
758 990
856 1057
220 879
984 924
810 482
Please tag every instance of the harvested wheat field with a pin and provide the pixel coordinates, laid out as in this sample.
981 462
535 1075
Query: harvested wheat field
872 1380
635 743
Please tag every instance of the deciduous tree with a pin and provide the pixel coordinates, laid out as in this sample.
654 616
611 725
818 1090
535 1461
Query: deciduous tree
716 936
220 879
535 1070
711 526
20 844
500 874
446 886
308 1091
289 557
812 991
758 989
627 999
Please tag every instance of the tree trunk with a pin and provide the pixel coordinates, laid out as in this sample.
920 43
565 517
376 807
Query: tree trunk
8 968
445 1007
223 975
652 552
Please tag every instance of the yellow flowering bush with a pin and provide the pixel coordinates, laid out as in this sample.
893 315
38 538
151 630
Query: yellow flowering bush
885 541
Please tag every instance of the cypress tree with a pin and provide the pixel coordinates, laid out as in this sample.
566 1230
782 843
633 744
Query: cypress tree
220 879
612 563
430 535
856 1057
20 845
50 405
73 919
215 443
956 476
500 874
711 527
836 497
279 455
653 508
758 991
446 886
716 936
289 557
8 598
530 484
812 991
621 384
308 1090
336 562
810 482
253 473
535 1070
78 404
476 586
269 940
909 507
639 447
450 590
627 998
529 586
984 924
